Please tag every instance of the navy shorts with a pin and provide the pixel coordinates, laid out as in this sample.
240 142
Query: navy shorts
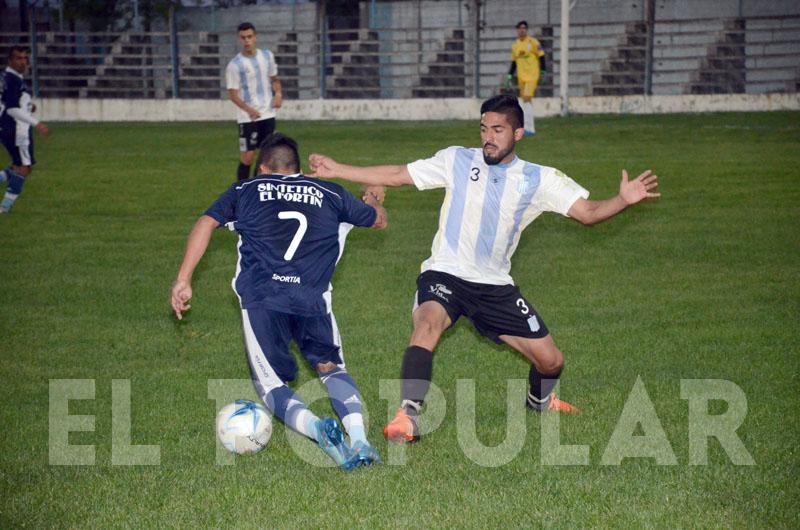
267 336
493 309
21 155
252 133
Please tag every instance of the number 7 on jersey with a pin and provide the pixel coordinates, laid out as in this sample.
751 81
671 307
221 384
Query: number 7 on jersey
298 236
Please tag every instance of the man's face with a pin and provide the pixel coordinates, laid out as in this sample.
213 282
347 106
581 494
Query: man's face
498 138
522 31
247 41
18 61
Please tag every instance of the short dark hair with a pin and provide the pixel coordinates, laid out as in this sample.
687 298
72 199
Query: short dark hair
522 23
279 152
244 26
16 48
505 104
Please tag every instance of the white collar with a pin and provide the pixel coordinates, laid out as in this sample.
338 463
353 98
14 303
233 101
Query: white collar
12 71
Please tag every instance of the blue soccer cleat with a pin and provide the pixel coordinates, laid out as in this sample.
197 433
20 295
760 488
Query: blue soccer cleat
365 454
331 440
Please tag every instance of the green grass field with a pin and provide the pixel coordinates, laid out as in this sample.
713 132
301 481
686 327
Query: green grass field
701 284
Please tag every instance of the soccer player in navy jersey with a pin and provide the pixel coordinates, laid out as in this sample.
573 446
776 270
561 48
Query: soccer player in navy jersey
16 120
491 196
292 231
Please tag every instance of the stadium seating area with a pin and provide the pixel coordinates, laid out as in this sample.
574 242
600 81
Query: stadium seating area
703 56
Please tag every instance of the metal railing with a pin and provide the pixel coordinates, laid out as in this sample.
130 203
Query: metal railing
758 54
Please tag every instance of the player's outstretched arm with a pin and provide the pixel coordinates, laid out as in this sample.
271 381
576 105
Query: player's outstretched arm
630 192
195 248
326 167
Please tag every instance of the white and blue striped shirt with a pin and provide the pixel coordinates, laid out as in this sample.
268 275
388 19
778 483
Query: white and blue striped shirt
251 77
486 208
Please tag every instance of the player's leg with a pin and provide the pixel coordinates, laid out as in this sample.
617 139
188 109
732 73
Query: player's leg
320 343
267 335
547 362
527 88
247 146
22 161
435 310
263 128
505 316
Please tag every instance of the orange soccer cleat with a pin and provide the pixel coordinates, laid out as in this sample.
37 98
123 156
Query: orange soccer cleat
401 429
558 405
554 404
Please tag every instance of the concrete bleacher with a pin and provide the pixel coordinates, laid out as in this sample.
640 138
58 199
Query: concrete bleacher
751 54
772 49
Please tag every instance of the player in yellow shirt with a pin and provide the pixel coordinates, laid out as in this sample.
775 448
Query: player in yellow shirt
527 58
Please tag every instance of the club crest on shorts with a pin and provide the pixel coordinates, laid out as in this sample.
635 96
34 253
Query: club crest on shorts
440 291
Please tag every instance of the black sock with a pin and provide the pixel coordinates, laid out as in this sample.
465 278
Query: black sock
416 374
243 173
541 387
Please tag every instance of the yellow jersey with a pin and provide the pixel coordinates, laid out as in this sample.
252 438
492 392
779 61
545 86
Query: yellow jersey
526 52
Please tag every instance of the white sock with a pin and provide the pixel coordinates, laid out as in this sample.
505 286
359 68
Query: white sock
305 423
354 425
527 109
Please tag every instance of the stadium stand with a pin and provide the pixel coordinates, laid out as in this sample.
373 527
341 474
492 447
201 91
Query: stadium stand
757 54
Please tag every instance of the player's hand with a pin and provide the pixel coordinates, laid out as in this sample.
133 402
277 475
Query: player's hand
181 294
376 193
277 101
639 188
322 166
42 129
253 113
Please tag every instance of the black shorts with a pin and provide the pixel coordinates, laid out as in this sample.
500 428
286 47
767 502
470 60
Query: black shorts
493 309
21 155
252 133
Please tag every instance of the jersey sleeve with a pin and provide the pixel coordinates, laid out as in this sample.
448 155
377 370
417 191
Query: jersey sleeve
356 212
429 173
537 48
224 208
232 76
557 192
273 66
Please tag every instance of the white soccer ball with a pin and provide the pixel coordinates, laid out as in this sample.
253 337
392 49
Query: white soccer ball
244 427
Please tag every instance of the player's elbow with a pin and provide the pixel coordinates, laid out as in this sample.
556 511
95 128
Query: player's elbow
581 216
399 177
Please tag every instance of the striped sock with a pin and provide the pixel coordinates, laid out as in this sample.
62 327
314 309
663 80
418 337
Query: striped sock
291 410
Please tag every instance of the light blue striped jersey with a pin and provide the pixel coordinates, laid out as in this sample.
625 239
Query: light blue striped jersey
251 77
486 208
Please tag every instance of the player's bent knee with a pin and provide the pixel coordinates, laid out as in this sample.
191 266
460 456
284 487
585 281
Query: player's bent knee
324 368
246 157
22 170
551 363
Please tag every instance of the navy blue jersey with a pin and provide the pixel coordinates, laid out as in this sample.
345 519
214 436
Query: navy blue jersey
14 93
291 234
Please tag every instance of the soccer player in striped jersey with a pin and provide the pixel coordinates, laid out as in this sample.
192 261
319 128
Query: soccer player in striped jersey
527 59
491 195
292 230
16 120
254 87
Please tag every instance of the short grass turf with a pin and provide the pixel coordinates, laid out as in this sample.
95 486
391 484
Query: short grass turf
701 284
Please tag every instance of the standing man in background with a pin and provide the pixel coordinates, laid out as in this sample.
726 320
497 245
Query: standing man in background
527 58
16 119
254 87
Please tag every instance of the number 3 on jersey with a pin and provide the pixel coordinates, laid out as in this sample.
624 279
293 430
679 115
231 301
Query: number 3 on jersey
298 236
